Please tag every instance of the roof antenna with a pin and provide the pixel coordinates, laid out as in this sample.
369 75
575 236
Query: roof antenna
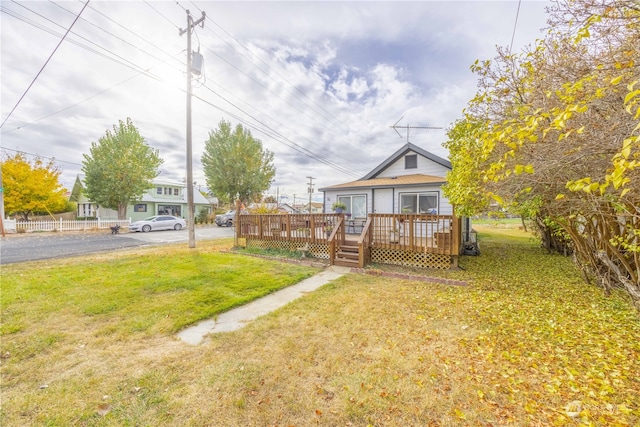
407 127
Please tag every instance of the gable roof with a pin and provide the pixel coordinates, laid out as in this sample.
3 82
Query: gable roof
400 153
403 180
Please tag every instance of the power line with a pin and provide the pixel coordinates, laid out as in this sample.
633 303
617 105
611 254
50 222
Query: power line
160 13
329 115
515 24
41 157
262 127
143 72
263 86
280 137
183 8
116 58
268 131
45 64
115 36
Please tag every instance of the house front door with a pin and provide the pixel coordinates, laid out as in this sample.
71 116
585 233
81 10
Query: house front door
383 200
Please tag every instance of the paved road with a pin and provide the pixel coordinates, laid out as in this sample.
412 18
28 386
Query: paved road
31 247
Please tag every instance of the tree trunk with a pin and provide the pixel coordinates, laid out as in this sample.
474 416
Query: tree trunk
122 211
524 225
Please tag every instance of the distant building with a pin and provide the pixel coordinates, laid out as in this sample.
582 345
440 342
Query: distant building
164 198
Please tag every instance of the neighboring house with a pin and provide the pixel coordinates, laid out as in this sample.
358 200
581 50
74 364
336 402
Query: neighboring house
164 198
275 207
316 207
286 208
213 201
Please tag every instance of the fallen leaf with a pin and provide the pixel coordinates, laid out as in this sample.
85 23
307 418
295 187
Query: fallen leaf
104 409
573 409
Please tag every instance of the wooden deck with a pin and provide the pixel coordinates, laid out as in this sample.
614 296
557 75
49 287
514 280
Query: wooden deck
431 241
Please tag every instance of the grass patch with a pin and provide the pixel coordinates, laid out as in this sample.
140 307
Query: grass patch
143 293
497 222
527 343
276 253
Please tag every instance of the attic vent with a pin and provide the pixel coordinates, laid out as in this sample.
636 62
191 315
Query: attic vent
411 161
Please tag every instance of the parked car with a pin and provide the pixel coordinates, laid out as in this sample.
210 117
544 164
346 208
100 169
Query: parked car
158 222
226 219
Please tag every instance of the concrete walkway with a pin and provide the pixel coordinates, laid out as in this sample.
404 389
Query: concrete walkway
238 317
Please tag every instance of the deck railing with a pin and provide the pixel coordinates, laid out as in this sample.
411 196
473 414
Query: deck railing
364 243
336 238
302 228
415 233
413 240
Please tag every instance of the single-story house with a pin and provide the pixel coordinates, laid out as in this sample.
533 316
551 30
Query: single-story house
396 214
409 181
286 208
164 198
316 207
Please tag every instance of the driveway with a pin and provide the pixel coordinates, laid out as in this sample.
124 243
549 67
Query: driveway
36 246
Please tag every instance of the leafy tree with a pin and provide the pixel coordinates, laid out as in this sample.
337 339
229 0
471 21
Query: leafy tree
556 136
269 199
31 187
202 215
119 168
465 148
236 166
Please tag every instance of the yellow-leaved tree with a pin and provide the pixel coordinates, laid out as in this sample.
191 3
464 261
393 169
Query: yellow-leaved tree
554 130
31 187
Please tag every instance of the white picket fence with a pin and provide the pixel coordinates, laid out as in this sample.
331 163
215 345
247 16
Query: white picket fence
66 225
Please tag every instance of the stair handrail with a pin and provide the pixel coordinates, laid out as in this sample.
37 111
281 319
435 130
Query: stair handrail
364 243
332 239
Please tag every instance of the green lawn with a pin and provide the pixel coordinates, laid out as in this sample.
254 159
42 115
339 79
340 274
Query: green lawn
148 293
525 343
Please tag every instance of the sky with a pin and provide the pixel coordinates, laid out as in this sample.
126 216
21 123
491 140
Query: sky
318 83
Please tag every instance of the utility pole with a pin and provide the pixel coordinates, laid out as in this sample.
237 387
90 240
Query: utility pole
407 127
190 215
310 190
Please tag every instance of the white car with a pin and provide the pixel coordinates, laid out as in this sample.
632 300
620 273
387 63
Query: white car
158 222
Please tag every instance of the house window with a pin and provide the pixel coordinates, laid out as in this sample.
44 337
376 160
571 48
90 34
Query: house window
176 192
142 207
159 190
85 210
174 210
411 161
356 205
419 203
167 190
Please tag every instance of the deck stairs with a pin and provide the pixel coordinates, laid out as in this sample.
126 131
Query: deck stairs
347 255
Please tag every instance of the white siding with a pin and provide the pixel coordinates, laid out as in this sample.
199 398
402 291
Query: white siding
391 206
425 167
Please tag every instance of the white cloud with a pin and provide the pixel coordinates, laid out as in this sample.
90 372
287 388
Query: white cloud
317 82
